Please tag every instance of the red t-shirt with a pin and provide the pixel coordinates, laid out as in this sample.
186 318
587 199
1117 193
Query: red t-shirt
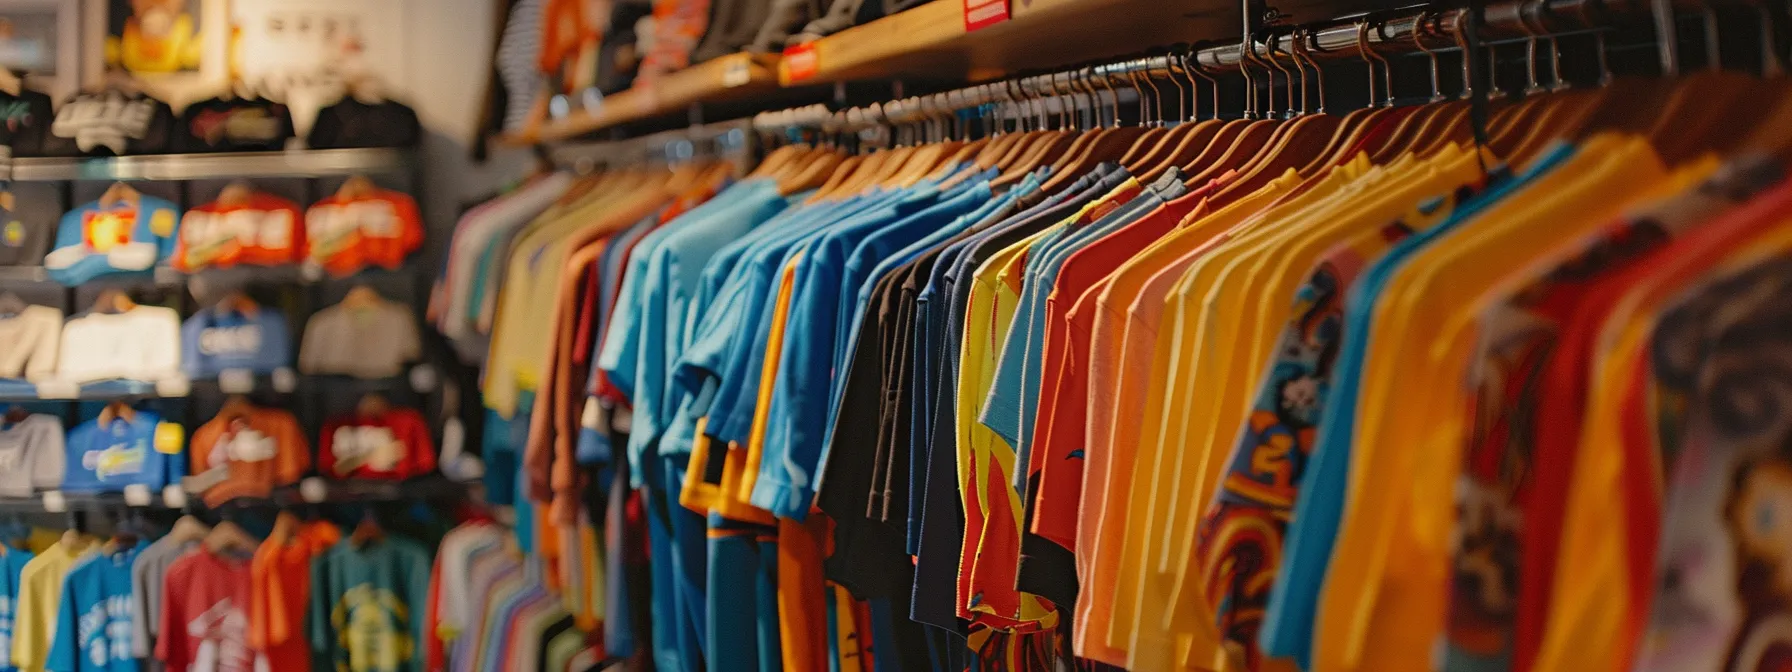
205 613
394 445
345 235
264 231
280 595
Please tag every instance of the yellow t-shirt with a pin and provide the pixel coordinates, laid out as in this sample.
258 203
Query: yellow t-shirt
40 593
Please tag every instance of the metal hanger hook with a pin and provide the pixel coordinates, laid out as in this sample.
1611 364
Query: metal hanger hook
1418 31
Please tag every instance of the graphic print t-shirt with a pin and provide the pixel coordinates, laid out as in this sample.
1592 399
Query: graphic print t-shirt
258 450
367 606
106 457
93 622
345 235
110 123
127 235
235 125
266 230
351 123
205 620
24 119
394 445
22 243
12 566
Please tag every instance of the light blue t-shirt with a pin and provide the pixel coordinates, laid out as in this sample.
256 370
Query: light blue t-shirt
93 619
797 433
1293 601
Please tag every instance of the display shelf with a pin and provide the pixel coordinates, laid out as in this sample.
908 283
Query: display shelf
296 163
729 78
105 390
427 489
111 390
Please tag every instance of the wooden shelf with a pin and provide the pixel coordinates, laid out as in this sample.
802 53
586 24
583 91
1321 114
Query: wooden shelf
929 42
729 78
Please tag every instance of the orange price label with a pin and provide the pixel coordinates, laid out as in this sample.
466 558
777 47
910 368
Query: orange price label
800 63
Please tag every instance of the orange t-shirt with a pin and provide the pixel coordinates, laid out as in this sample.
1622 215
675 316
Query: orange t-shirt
259 448
345 235
264 230
280 592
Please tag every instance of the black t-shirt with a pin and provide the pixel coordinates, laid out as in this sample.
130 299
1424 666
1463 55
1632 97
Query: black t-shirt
235 125
26 118
351 123
110 123
23 243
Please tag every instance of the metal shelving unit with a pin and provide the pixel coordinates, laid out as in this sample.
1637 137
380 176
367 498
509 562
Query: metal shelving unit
297 163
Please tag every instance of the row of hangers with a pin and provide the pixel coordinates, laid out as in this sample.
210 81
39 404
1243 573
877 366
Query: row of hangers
1060 121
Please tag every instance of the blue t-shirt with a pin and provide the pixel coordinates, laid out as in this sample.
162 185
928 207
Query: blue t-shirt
11 566
125 237
220 339
93 621
107 457
1293 601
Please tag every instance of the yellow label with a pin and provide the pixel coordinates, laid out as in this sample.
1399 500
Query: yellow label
170 438
162 223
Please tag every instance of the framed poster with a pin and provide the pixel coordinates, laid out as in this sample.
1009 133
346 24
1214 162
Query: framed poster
155 37
40 39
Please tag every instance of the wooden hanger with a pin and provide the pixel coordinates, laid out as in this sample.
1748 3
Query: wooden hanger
113 301
837 176
360 297
236 406
356 186
117 410
372 404
814 173
1111 144
238 192
228 537
1041 149
285 524
189 529
16 414
776 160
119 192
367 531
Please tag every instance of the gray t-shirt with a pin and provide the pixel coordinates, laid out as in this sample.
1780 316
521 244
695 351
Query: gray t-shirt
146 592
370 341
31 455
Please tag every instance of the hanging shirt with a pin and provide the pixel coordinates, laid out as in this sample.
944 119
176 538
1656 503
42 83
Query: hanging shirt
367 605
204 617
31 455
131 235
12 568
147 574
40 598
93 622
107 456
219 339
264 230
280 595
344 235
393 445
251 452
142 344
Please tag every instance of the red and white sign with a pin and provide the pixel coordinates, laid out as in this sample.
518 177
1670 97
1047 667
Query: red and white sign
979 14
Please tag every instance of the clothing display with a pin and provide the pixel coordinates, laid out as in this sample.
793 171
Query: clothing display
352 123
372 338
367 604
111 122
31 454
23 243
235 335
29 338
204 622
247 452
390 444
256 228
93 620
140 343
130 233
235 125
40 599
27 117
124 447
355 229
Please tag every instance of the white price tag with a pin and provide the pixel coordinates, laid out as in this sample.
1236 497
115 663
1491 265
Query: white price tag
313 490
54 502
136 494
174 496
623 420
311 271
173 386
236 381
285 380
58 389
423 378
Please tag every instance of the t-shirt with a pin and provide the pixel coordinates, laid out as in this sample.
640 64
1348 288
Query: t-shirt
106 454
264 230
345 235
204 617
253 451
29 340
280 594
235 125
40 593
394 445
23 243
127 236
222 338
367 605
12 567
147 572
24 119
93 623
31 455
110 123
142 343
369 341
351 123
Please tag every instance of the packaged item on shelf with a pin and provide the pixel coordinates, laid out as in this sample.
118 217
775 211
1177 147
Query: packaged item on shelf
25 117
247 451
362 225
368 598
243 226
377 441
235 333
120 339
93 621
32 453
30 336
351 123
364 336
22 243
234 124
124 446
124 231
112 122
